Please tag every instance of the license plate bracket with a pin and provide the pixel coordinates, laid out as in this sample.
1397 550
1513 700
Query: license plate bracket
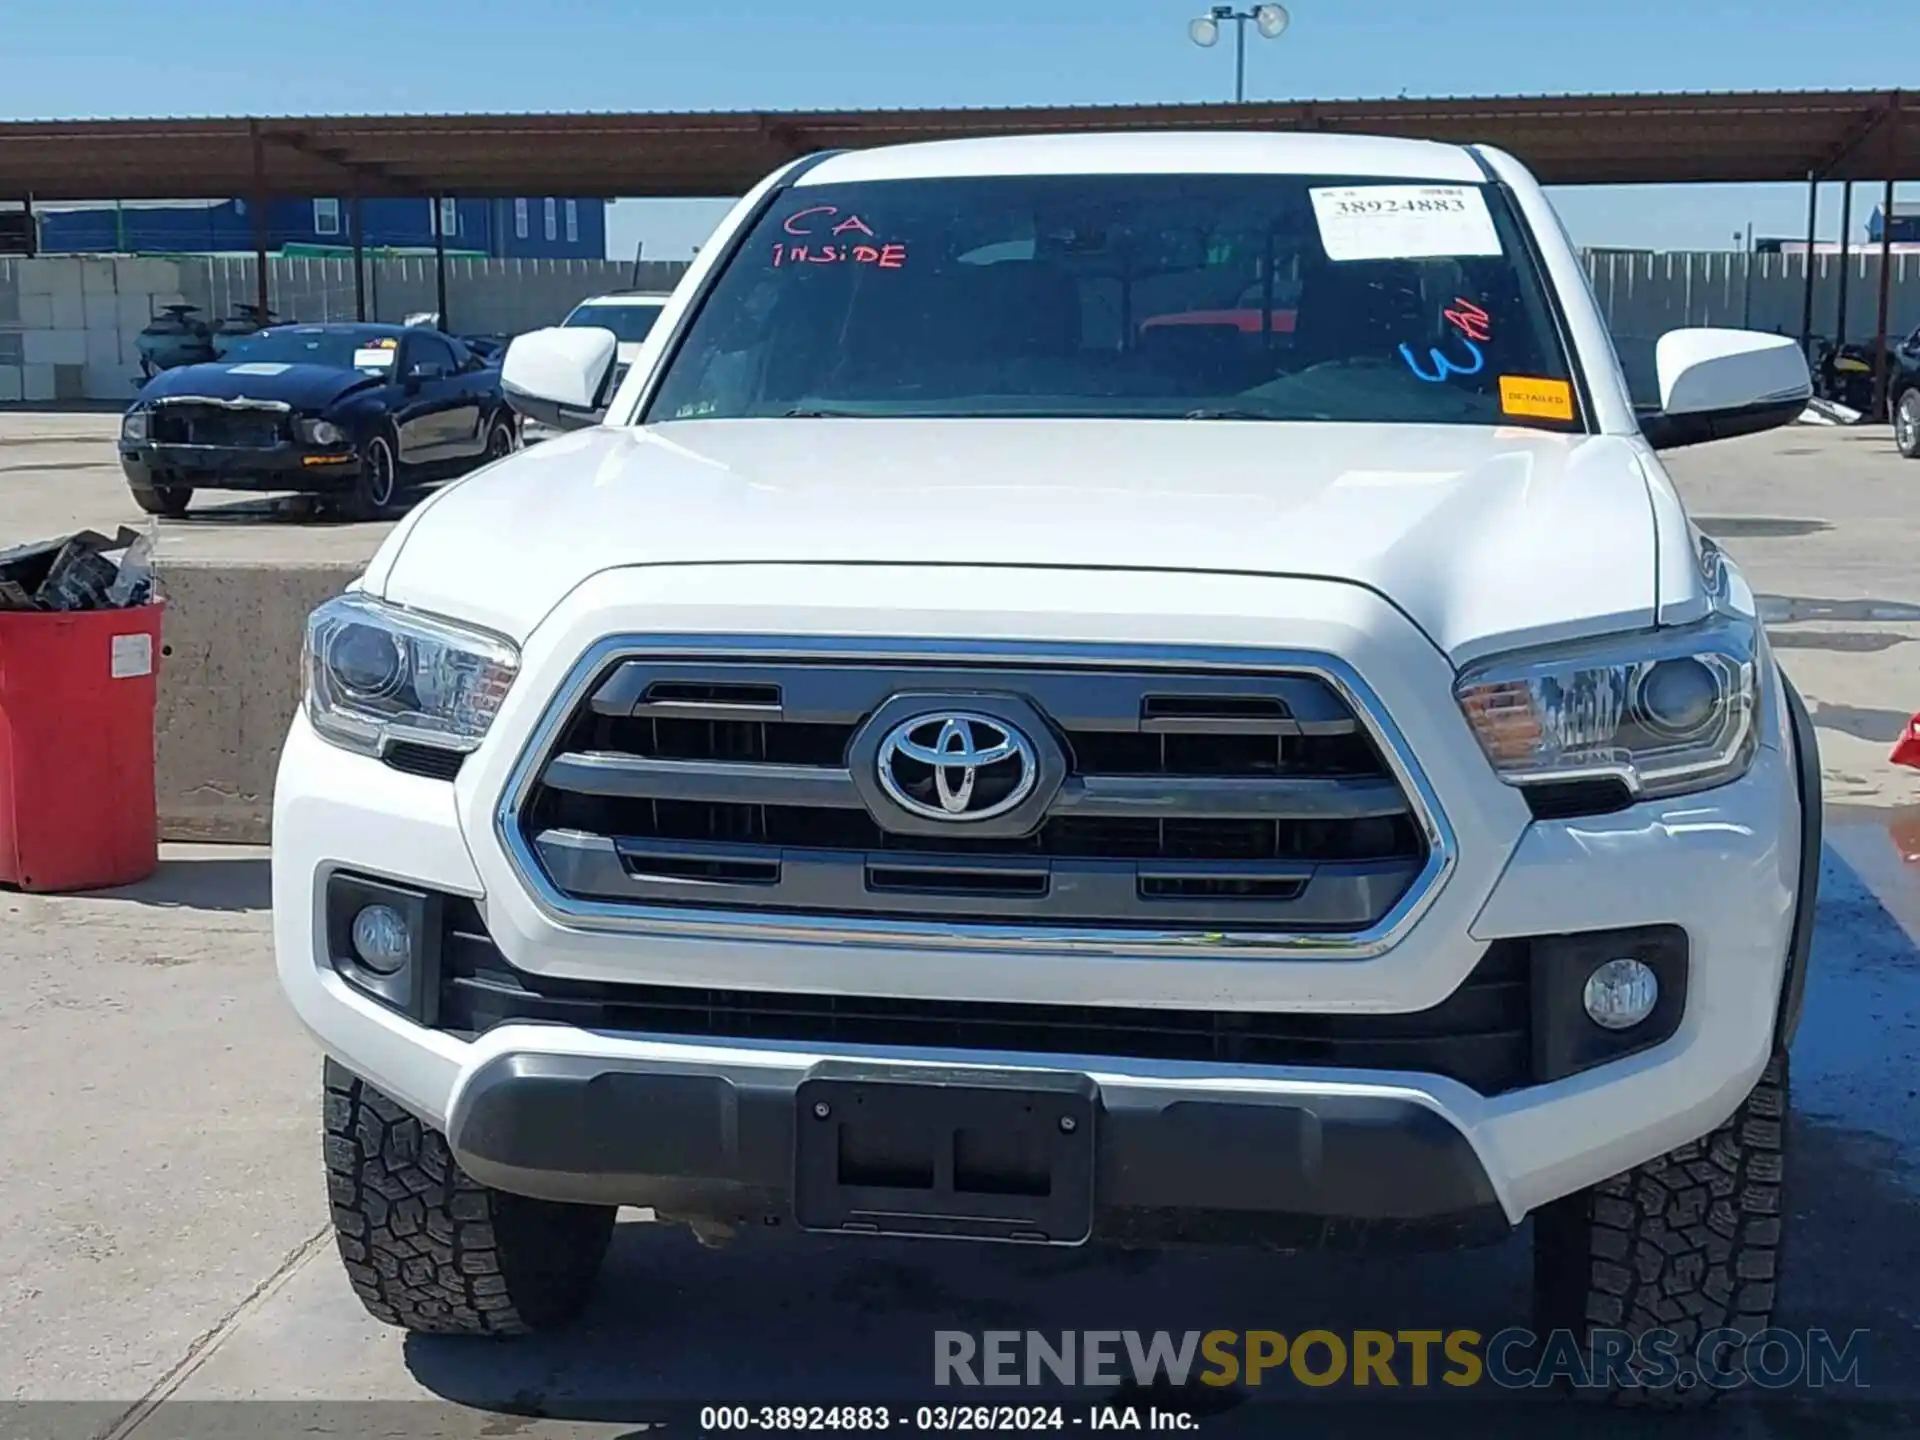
964 1154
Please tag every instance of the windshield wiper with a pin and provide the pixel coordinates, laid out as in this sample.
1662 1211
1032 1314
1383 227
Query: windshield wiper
1226 415
809 413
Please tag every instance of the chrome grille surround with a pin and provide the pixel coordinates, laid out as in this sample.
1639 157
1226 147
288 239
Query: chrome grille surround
892 932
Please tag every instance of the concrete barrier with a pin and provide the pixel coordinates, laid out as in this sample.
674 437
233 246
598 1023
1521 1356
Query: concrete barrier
229 685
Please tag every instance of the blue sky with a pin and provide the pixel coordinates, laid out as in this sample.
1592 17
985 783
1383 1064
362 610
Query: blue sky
134 57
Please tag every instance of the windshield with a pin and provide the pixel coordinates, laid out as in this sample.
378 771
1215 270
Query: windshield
1269 297
629 323
340 349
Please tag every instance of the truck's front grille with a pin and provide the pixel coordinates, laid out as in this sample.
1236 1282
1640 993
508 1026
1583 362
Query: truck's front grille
1481 1035
1225 800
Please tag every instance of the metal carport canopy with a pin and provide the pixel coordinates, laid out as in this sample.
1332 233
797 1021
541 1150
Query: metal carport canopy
1567 140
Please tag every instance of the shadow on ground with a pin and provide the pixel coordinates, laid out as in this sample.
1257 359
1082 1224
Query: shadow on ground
211 881
275 510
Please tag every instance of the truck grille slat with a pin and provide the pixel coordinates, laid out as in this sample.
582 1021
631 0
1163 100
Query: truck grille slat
1211 797
994 888
1255 801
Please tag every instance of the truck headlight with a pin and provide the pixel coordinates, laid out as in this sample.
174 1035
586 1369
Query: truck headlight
322 432
1664 711
136 425
376 673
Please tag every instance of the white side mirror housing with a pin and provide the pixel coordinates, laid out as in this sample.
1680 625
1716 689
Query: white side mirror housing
559 376
1719 383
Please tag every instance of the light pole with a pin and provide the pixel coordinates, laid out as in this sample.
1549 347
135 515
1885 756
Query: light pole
1269 20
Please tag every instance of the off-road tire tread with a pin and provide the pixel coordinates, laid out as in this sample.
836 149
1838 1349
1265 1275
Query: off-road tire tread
1689 1242
429 1248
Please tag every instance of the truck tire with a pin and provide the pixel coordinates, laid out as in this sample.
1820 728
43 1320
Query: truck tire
429 1248
1688 1243
170 501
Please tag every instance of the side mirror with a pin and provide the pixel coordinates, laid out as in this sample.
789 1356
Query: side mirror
1715 384
426 370
559 376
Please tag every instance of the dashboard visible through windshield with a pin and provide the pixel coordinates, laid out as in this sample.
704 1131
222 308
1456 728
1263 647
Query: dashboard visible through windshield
1263 297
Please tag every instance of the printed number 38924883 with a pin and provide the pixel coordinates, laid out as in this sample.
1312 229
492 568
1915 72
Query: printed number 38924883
1429 205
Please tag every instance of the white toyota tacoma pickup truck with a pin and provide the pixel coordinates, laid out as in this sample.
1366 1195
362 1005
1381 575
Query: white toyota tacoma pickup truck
1135 688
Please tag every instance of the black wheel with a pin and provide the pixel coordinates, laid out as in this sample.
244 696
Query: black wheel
168 500
429 1248
376 490
1906 424
1681 1246
502 439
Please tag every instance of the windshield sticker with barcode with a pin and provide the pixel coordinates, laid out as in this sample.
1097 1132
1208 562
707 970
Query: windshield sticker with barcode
1404 222
373 358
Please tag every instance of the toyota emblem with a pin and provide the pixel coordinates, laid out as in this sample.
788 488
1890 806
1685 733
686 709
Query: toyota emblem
957 765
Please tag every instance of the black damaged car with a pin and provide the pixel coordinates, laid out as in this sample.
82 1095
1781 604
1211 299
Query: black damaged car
356 413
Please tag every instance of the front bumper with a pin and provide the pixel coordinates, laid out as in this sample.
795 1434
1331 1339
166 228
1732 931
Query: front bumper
563 1110
285 467
714 1137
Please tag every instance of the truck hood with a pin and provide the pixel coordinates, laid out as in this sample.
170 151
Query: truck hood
1484 537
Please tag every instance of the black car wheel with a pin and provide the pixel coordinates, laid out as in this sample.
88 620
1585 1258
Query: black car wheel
1906 424
501 440
168 500
376 490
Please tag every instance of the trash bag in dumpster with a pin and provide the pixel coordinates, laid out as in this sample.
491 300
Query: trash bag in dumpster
79 646
78 572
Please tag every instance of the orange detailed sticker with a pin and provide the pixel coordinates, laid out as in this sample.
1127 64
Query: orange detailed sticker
1527 395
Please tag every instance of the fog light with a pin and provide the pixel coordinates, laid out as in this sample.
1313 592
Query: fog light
1619 995
380 939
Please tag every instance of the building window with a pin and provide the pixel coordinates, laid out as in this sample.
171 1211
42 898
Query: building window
450 218
326 217
552 224
520 218
573 222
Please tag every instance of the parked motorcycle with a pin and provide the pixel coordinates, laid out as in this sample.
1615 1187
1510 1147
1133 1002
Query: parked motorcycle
172 338
243 322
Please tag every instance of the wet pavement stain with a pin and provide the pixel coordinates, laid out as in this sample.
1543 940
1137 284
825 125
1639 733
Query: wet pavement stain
1854 1058
1790 610
1841 642
1881 726
1759 527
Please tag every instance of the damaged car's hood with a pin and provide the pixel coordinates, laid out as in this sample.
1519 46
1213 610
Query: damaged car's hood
304 387
1472 532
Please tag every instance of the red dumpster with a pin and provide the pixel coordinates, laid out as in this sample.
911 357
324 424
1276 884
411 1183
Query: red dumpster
76 747
1906 750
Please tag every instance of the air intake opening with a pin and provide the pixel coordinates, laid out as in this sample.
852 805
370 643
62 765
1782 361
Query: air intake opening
699 692
1219 887
967 880
1213 707
699 867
